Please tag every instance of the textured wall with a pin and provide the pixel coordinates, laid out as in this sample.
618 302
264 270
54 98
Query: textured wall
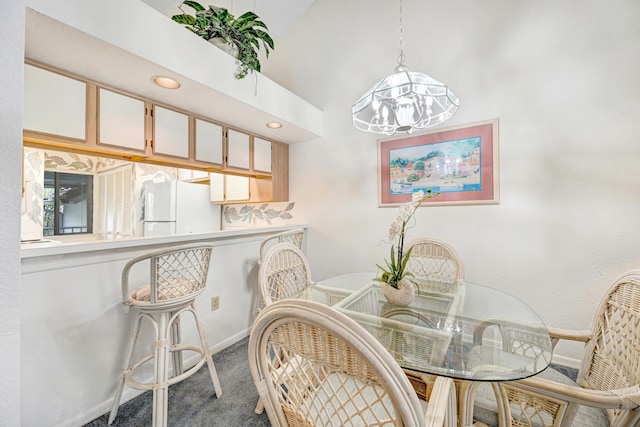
11 58
561 76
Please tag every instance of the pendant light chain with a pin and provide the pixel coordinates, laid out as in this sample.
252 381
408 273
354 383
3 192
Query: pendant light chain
401 58
404 101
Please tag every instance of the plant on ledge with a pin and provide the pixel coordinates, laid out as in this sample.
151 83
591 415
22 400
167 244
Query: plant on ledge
246 32
395 267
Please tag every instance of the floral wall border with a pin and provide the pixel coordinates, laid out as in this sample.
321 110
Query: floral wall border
257 214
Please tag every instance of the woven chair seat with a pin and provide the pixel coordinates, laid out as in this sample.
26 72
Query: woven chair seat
370 406
486 405
177 289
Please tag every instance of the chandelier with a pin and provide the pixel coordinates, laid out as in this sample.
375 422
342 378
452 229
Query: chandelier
404 101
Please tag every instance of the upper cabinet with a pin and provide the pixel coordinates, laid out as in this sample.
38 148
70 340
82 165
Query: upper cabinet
170 132
208 142
261 155
65 113
229 188
238 150
54 104
121 120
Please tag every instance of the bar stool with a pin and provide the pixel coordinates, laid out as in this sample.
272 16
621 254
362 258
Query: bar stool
294 237
177 276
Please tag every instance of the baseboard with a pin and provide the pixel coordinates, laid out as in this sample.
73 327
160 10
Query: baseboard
218 347
567 362
129 393
99 410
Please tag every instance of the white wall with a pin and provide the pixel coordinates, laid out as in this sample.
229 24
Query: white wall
11 77
562 78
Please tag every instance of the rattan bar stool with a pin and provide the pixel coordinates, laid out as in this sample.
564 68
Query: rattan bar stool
294 237
176 277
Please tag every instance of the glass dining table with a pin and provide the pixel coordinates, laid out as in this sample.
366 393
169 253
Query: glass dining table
470 333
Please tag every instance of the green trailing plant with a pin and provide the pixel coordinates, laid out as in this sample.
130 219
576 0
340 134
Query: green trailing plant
247 32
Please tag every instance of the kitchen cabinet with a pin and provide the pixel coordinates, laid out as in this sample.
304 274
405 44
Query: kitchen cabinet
54 104
236 188
67 114
121 120
191 175
170 132
261 155
228 188
208 142
238 149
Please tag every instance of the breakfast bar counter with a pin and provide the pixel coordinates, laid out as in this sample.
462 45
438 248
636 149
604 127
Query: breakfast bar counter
73 327
55 246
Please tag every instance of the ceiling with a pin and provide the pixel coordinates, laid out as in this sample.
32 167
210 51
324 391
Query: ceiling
278 15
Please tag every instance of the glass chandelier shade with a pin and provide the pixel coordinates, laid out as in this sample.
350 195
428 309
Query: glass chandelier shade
404 101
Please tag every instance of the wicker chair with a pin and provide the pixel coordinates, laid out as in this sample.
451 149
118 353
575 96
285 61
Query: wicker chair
607 392
435 265
177 276
314 366
291 236
284 273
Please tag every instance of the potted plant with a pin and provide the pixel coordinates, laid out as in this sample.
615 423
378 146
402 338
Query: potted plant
394 283
245 32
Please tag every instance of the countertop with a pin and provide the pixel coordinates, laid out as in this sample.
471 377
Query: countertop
61 247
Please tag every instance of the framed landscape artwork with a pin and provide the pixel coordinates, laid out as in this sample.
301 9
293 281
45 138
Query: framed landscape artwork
460 163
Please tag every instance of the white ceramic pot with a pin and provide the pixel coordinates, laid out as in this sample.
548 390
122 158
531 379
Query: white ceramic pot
229 48
402 295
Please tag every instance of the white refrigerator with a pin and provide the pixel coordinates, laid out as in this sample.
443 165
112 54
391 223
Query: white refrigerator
178 207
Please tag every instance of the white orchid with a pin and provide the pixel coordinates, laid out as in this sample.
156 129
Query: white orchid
417 197
394 270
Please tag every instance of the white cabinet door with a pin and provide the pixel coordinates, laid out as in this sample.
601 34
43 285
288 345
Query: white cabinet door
237 150
121 120
261 155
216 187
170 132
228 188
208 142
236 188
54 104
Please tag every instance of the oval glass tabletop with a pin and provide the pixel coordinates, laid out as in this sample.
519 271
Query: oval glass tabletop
471 332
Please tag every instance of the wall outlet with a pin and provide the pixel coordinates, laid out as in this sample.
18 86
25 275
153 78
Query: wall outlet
215 303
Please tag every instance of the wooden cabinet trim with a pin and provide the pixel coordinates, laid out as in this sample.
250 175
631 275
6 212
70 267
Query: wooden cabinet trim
264 186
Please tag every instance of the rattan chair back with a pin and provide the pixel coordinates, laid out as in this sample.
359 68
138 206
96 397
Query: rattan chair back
314 366
284 273
612 359
434 264
175 275
294 237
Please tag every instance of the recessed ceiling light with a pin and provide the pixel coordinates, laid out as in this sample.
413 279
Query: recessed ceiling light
166 82
274 125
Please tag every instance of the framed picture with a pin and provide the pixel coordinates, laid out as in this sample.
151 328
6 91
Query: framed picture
460 163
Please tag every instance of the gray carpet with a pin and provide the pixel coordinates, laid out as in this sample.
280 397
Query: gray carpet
193 402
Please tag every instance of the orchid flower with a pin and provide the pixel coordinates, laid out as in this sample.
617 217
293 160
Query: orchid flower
394 269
